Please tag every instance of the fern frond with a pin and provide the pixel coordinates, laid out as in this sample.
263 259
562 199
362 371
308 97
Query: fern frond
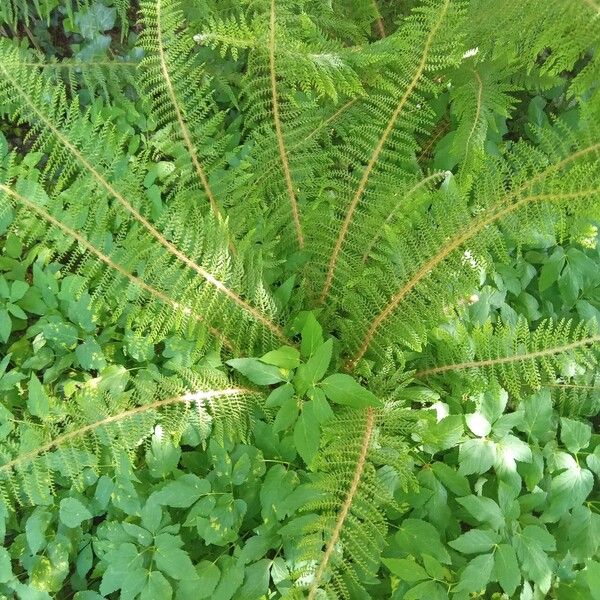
344 543
400 108
517 358
99 426
179 93
66 139
441 273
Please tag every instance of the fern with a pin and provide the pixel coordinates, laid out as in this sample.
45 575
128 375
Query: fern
327 203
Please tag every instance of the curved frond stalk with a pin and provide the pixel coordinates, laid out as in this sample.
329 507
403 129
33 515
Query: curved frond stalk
279 133
377 151
177 107
197 397
138 282
104 183
420 184
378 20
515 357
491 362
345 509
499 210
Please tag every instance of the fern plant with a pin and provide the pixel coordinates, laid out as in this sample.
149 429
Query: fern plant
319 263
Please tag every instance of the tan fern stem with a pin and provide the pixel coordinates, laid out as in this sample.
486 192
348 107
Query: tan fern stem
83 242
412 190
155 233
279 133
378 21
375 156
474 364
185 132
71 435
346 506
490 216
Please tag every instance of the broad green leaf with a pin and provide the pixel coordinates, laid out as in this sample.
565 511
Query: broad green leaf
73 512
278 396
171 559
182 492
551 270
509 450
405 569
478 424
506 568
6 573
5 325
344 389
17 290
35 529
203 585
256 371
157 586
417 537
37 399
484 510
537 421
435 568
445 434
241 470
575 435
567 490
310 373
476 456
475 541
307 434
531 545
476 575
312 336
90 356
287 414
285 357
431 590
323 411
458 484
593 461
256 581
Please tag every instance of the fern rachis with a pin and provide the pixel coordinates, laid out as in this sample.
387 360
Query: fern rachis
311 250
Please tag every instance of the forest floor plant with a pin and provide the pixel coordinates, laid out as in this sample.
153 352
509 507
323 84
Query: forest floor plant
299 299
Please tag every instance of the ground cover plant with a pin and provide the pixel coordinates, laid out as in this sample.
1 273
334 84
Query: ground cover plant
299 299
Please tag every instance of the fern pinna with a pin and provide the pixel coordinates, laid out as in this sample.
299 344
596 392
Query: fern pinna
319 232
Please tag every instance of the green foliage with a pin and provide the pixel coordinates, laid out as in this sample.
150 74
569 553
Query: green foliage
299 299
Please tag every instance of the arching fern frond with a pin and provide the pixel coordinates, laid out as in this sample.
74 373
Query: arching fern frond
342 546
73 163
517 358
105 422
180 98
544 184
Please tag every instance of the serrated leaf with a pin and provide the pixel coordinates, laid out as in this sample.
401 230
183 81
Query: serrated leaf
484 510
286 415
575 435
72 512
458 484
405 569
476 574
476 456
37 399
478 424
312 336
285 357
157 586
256 371
5 325
90 356
182 492
307 434
417 537
171 559
344 389
6 573
314 369
506 568
475 541
278 396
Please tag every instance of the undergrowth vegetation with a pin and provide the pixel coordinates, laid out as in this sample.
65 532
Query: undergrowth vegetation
299 299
